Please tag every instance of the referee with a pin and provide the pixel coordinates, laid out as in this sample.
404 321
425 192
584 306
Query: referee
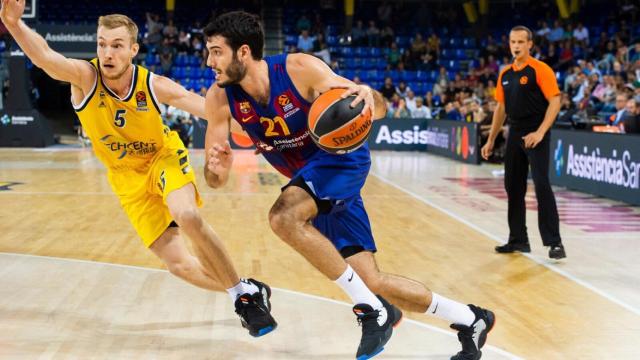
527 92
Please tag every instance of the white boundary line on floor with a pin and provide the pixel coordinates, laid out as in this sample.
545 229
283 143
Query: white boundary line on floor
292 292
500 240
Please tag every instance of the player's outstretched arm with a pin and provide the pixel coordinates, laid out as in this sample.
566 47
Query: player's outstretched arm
169 92
218 155
76 72
312 75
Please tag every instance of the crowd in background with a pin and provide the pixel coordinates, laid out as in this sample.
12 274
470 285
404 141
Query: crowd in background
599 73
598 67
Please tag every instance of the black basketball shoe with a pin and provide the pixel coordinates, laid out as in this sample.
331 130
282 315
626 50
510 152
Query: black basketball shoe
377 327
255 310
473 337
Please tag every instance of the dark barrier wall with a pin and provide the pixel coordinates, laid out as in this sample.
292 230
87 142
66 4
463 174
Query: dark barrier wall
453 139
20 124
597 163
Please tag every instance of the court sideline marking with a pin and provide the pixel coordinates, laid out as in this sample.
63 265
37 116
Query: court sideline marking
291 292
533 258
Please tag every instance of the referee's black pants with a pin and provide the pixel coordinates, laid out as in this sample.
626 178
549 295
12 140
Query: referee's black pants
516 170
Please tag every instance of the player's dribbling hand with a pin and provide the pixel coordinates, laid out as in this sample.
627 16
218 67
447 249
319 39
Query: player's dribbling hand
363 93
220 158
12 11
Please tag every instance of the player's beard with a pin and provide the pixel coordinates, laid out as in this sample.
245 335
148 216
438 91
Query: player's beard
235 72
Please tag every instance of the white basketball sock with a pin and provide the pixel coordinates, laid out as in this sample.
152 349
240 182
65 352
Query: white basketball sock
242 287
359 293
450 310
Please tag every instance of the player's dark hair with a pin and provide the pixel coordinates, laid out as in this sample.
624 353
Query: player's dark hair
238 28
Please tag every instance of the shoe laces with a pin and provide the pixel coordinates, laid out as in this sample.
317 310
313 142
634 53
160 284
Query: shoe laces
365 319
465 336
247 304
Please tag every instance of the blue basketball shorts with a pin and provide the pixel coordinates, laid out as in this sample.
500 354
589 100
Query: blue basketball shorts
335 184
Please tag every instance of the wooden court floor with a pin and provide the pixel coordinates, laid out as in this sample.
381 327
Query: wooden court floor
435 220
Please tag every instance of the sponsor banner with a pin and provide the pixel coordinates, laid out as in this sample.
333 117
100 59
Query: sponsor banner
70 40
24 128
453 139
597 163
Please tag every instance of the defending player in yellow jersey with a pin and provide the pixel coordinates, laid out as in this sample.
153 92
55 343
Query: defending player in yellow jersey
147 165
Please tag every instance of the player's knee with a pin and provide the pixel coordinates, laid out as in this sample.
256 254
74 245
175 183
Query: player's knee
180 267
188 218
280 218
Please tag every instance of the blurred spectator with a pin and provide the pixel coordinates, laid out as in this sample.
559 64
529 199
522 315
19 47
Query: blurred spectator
388 89
154 32
167 53
373 34
402 89
170 31
434 43
410 99
386 36
321 50
305 42
621 110
543 30
420 111
196 45
631 122
184 41
557 33
358 34
401 111
581 34
452 112
393 58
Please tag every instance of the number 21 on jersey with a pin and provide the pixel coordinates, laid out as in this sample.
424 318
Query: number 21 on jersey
271 126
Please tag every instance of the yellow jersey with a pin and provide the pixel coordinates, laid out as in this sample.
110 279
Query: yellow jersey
126 132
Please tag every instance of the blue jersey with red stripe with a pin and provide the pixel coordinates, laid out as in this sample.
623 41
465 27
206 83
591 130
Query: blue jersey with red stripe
279 129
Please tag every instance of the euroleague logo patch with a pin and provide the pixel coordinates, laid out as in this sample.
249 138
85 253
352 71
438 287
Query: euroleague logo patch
141 100
524 80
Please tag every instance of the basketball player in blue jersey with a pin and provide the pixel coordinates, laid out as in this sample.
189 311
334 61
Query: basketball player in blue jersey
320 212
147 165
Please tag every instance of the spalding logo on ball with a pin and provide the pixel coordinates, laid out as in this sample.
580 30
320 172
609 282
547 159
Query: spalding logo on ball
337 127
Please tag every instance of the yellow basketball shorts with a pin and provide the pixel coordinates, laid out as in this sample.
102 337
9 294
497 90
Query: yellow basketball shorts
143 194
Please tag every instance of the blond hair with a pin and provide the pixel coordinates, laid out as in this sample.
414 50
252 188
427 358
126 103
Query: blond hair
114 21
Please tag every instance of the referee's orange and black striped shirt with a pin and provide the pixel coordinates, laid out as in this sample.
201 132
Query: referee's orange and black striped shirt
525 92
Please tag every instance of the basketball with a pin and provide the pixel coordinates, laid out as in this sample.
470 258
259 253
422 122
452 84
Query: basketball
335 126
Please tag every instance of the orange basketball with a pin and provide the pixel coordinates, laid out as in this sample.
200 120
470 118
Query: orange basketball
335 126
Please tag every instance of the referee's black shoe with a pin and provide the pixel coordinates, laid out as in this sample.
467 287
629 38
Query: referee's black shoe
557 252
377 327
512 247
